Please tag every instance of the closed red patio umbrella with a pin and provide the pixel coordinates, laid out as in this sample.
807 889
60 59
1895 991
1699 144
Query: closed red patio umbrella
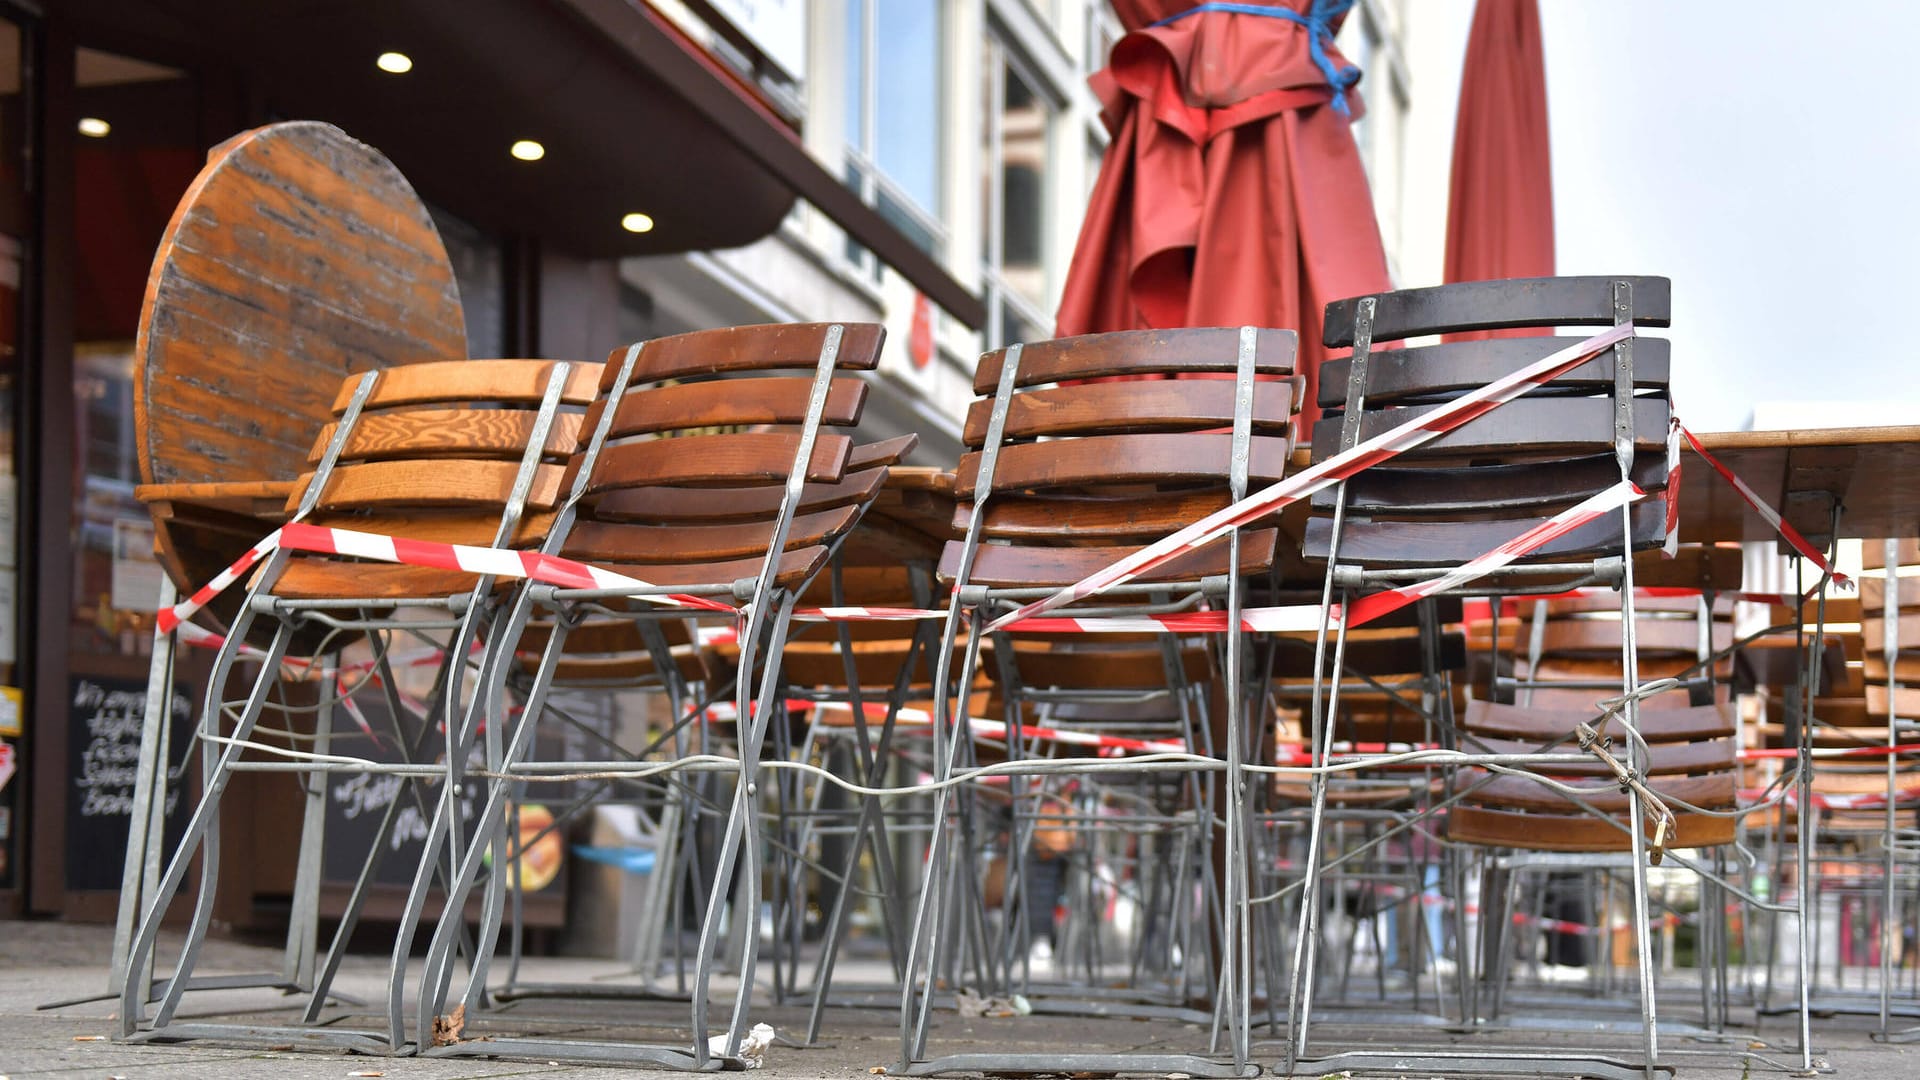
1233 192
1500 203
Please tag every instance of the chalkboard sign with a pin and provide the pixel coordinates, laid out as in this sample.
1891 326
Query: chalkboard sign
103 757
357 802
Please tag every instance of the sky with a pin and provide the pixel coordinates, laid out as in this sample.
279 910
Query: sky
1764 155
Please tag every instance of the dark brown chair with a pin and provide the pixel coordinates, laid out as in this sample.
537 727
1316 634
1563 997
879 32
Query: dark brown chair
1432 508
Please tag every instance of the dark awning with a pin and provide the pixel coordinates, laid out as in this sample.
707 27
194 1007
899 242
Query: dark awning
632 115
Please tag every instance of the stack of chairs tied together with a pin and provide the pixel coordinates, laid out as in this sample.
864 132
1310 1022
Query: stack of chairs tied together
1854 810
711 466
1079 451
1434 508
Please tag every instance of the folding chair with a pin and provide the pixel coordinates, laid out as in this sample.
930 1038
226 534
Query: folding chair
1069 468
463 452
1438 506
669 489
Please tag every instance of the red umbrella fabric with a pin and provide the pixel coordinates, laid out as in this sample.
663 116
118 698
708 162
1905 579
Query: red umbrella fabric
1500 206
1232 193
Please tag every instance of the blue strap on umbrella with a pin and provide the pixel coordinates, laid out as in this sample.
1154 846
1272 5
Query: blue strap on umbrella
1318 22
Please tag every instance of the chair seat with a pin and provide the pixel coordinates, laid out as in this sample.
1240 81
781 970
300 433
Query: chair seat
1569 832
328 579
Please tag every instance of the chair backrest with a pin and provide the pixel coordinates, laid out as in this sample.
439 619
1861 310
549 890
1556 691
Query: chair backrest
1461 494
707 431
1094 445
449 436
457 452
1692 756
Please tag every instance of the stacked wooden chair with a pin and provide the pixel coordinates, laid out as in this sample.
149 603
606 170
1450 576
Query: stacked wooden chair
246 330
469 452
1570 654
1854 812
1436 507
1074 460
670 490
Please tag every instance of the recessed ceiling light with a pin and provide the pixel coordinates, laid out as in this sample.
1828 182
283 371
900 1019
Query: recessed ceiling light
528 150
93 127
394 63
637 223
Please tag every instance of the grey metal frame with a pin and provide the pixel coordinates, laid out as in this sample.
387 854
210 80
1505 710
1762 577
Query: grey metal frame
218 765
1300 993
944 910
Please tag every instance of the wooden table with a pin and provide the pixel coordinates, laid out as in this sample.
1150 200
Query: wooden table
298 255
1872 473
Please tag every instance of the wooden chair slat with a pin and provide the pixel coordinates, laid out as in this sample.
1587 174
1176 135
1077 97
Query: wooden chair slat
448 432
1435 543
795 567
322 579
697 504
1695 566
762 347
1436 372
1601 637
597 541
1583 832
1014 567
1873 628
1667 759
1873 553
886 452
1873 593
1496 305
1840 712
519 382
443 527
1139 352
1906 700
1718 791
1530 425
730 402
1536 724
1487 488
1906 667
716 460
410 484
1123 459
1154 405
1092 517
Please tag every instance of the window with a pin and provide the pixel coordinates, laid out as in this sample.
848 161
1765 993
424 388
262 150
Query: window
893 71
1016 144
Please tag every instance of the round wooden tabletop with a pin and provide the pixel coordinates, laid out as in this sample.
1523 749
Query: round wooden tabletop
299 255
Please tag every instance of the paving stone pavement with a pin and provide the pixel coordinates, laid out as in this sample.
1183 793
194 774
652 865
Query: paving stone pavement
43 962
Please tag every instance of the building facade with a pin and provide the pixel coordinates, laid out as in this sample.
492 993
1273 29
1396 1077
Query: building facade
920 163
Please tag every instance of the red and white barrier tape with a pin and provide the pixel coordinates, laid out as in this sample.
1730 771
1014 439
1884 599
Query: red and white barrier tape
1380 448
1368 608
168 619
1767 513
1672 547
497 562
